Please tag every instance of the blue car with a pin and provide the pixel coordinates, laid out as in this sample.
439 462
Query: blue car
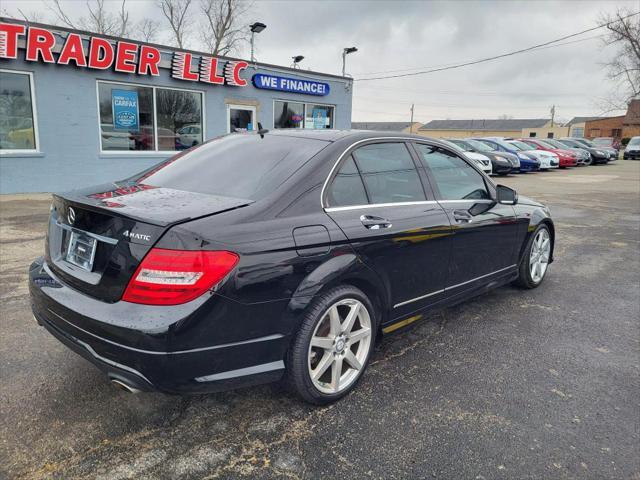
527 164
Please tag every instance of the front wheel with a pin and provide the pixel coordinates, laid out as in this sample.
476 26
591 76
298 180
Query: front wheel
333 346
535 261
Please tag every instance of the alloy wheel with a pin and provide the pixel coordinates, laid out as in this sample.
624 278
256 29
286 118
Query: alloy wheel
539 256
339 346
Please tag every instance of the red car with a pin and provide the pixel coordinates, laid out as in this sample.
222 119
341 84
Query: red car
566 157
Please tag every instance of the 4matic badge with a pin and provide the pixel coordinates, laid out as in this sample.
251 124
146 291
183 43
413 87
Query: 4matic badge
136 236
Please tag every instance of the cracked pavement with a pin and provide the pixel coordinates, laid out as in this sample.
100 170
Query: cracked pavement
514 384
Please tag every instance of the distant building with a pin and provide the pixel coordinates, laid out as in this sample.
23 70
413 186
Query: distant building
576 125
631 122
604 127
510 127
404 127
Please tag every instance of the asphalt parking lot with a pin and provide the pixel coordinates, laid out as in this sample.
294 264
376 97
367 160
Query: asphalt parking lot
516 384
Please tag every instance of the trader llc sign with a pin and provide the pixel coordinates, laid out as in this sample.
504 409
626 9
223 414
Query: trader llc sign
125 57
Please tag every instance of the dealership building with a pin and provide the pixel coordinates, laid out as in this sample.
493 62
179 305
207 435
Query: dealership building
78 108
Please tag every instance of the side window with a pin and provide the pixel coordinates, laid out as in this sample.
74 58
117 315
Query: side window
455 178
388 173
347 188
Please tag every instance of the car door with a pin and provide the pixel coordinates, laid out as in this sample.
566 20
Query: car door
378 198
484 231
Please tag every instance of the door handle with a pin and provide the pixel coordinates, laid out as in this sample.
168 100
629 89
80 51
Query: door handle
462 216
374 223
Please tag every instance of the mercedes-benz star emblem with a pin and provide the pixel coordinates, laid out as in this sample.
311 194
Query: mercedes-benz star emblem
71 216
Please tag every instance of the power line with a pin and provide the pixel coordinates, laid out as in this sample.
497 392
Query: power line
453 64
482 60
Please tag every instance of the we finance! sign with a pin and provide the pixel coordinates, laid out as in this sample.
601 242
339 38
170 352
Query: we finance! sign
44 45
292 85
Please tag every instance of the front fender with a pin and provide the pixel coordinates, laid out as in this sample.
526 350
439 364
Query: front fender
537 216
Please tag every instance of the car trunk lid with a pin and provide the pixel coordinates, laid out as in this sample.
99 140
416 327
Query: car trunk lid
97 238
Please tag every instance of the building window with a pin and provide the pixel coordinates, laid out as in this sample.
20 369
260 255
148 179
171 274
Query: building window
616 132
179 118
17 118
288 114
549 134
578 132
302 115
318 116
137 118
532 134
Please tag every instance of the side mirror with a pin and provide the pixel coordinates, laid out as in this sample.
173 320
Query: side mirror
506 195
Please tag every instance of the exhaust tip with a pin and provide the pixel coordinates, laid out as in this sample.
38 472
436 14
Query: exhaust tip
120 385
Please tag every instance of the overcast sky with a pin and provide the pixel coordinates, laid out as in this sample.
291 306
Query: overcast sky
402 37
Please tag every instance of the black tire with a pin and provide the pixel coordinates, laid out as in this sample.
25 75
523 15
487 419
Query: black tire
298 378
524 279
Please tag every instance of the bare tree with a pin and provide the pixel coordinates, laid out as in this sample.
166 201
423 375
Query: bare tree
177 14
99 19
623 31
225 25
147 30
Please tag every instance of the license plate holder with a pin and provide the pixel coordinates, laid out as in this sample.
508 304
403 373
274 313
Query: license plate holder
81 250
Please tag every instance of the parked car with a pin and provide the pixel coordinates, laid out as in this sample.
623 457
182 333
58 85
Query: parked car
613 153
500 164
547 159
632 151
597 155
611 143
498 144
566 157
288 253
113 139
482 161
189 136
584 157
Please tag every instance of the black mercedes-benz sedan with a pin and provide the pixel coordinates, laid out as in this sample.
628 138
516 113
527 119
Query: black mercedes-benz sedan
280 255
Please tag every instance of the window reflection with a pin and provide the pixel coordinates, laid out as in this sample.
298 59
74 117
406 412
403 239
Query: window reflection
16 112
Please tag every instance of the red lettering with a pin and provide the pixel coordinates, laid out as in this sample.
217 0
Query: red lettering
73 50
181 67
126 57
208 71
149 60
9 39
100 53
237 68
40 43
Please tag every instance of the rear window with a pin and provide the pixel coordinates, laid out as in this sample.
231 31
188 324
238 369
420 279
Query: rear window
241 165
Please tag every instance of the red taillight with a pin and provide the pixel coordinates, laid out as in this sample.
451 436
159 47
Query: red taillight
171 277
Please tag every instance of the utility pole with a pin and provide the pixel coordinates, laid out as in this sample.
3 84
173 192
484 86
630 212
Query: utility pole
553 115
411 124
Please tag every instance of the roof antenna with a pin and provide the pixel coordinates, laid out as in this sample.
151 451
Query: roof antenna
261 131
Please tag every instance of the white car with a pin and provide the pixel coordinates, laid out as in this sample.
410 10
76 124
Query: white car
113 139
190 135
482 161
547 159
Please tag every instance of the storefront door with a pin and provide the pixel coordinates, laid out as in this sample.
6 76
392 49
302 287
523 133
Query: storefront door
240 118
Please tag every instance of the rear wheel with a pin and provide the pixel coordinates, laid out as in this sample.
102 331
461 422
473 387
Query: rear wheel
333 346
535 261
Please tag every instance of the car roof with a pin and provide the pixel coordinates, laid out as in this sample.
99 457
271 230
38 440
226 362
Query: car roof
331 135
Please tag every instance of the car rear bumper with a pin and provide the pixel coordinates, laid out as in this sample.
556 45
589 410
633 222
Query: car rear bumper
142 367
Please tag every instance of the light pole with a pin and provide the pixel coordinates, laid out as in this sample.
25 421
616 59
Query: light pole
345 52
256 27
296 61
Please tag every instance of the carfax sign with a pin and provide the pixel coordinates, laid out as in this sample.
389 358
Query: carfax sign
125 110
287 84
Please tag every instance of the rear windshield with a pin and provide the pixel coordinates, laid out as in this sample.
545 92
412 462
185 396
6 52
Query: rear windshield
237 165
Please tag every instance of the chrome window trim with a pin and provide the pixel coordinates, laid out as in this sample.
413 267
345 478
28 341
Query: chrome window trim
426 141
478 200
378 205
100 238
451 287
